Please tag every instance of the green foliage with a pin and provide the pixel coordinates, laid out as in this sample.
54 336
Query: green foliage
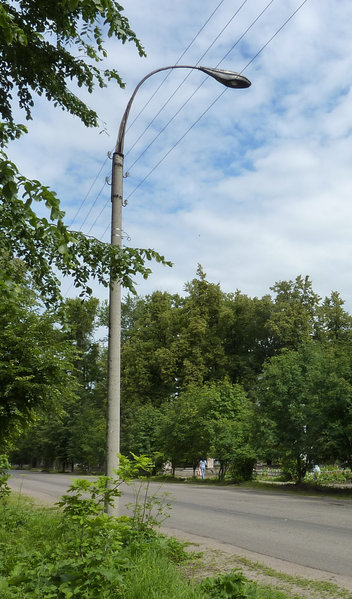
302 396
36 363
75 435
149 510
83 552
184 434
214 419
46 45
246 341
4 476
231 418
140 430
43 244
44 48
227 586
149 348
304 406
88 557
330 475
334 323
154 576
294 316
200 343
234 585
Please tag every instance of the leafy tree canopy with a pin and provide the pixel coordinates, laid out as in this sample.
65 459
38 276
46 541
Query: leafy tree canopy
45 48
294 316
46 45
304 400
36 364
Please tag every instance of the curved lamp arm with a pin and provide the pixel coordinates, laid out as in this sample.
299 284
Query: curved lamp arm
227 78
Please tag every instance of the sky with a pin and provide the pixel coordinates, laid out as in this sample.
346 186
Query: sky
255 184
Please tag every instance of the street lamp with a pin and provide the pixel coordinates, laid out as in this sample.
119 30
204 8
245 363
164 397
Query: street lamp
227 78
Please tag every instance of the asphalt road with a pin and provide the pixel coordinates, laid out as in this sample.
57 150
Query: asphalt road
308 531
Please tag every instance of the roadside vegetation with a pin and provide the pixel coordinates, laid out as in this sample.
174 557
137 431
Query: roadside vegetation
47 555
189 388
76 550
204 374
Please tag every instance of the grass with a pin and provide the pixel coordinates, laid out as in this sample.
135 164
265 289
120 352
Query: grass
153 576
35 563
274 484
269 583
309 489
145 567
314 588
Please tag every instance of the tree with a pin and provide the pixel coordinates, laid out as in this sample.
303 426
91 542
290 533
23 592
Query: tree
140 433
294 316
214 419
333 399
44 47
334 323
36 362
149 369
184 435
247 343
74 433
304 405
36 41
231 416
170 342
200 343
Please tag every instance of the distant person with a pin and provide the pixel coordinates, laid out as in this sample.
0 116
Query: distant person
316 470
202 467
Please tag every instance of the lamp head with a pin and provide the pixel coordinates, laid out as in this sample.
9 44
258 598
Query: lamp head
227 78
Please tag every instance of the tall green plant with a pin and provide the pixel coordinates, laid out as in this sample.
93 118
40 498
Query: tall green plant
4 476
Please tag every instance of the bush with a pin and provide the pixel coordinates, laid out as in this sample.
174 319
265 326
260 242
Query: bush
330 475
235 586
242 464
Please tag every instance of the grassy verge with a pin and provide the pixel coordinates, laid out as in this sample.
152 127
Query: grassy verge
301 489
215 563
46 555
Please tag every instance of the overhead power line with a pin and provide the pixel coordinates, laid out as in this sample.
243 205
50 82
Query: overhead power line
202 83
275 34
182 82
87 194
177 61
140 112
219 96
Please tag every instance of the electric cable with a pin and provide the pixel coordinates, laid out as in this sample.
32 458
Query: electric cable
275 34
157 89
207 109
178 60
99 215
182 82
87 194
202 83
94 203
140 112
216 99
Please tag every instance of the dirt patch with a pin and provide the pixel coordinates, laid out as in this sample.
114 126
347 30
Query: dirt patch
296 581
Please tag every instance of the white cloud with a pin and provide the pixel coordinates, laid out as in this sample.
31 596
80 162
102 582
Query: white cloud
259 190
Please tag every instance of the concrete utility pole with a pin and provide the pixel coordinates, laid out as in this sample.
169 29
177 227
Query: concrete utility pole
227 78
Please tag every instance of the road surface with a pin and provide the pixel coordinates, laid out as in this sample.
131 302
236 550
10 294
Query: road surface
312 533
